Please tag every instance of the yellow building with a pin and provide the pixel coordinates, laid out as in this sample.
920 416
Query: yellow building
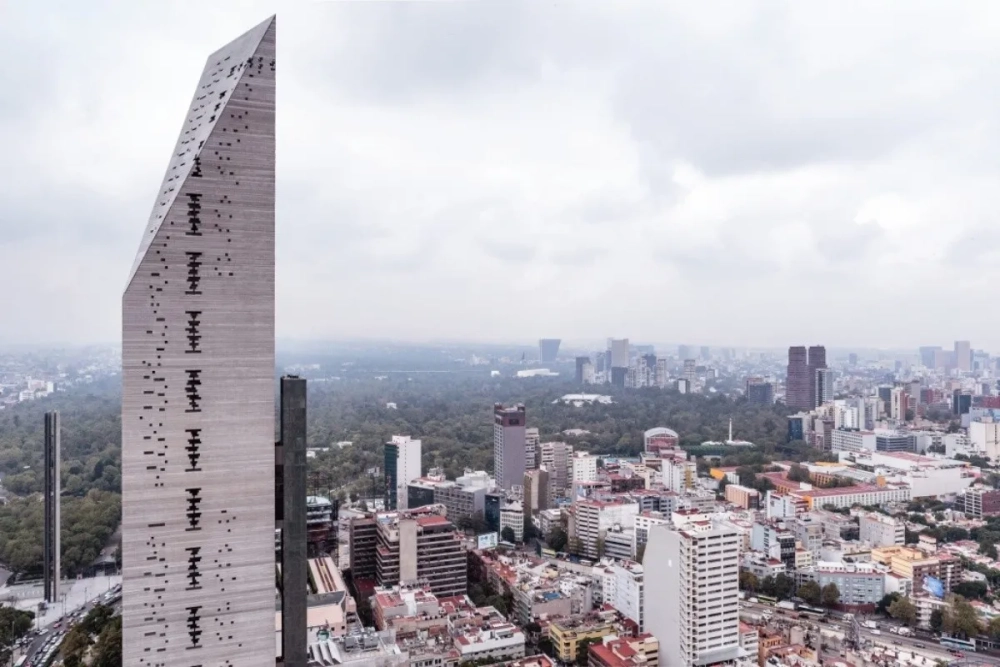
566 635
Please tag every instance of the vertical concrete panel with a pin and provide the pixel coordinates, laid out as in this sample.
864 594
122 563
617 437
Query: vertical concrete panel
294 572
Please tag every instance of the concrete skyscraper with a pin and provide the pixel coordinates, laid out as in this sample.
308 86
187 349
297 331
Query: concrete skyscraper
548 349
198 474
53 487
508 445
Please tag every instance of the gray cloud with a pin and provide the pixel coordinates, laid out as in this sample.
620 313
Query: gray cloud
685 167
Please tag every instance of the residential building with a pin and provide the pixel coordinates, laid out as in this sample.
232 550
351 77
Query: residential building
402 466
984 436
536 491
584 467
642 523
692 595
567 633
640 651
365 648
557 459
824 386
363 537
880 530
630 589
531 438
981 502
509 445
860 584
512 516
743 496
852 440
319 521
198 376
591 519
898 404
679 475
422 546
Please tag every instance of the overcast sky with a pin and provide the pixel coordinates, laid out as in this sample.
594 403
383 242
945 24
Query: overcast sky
738 173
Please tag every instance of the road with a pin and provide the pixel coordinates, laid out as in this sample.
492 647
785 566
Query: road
922 645
40 644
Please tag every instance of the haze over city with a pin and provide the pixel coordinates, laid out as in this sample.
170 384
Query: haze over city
729 175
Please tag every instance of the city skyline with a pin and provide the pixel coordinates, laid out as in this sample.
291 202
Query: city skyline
836 172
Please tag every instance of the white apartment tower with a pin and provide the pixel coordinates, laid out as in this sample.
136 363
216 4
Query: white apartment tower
630 591
402 466
584 467
531 439
692 602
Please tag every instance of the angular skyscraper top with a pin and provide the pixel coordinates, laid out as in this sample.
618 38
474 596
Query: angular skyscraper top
198 506
548 350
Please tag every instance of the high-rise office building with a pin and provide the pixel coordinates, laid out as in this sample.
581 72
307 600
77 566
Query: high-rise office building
536 491
581 365
797 382
557 459
290 520
800 385
508 445
692 594
198 477
53 486
531 438
824 386
402 466
760 392
706 353
817 361
929 355
619 349
963 355
548 350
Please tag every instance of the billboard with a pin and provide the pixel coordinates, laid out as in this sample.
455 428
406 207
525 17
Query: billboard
486 541
934 587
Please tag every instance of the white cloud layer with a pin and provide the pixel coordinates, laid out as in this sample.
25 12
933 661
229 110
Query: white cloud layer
731 173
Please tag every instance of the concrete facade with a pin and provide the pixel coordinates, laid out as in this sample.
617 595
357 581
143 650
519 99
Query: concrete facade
53 486
198 404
